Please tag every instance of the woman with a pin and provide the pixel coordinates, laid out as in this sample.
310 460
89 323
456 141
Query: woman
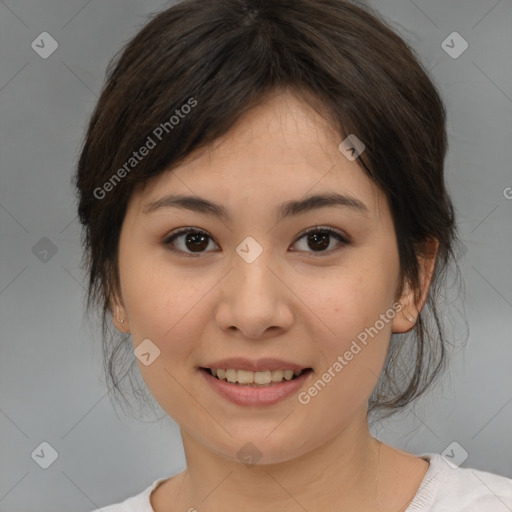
262 192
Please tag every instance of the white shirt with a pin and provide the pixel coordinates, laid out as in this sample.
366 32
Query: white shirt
445 488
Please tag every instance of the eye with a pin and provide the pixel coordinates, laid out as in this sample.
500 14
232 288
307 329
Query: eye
319 238
197 240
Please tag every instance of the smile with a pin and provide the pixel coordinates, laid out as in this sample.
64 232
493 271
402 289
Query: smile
244 387
248 378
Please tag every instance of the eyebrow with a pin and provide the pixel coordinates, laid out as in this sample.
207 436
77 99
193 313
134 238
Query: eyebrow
287 209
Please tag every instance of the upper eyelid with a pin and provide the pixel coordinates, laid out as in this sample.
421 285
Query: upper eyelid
325 228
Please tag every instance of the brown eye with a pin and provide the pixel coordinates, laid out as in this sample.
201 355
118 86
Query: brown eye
192 240
319 239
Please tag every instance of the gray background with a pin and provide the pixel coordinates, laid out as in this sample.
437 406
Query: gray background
50 368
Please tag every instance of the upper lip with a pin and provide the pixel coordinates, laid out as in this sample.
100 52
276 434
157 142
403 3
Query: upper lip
254 365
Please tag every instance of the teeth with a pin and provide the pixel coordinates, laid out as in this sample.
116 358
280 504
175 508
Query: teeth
277 375
244 377
257 378
262 377
231 375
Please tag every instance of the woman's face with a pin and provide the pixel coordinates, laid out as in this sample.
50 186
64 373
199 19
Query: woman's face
254 286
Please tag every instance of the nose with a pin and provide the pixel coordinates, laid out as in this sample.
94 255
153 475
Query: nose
255 300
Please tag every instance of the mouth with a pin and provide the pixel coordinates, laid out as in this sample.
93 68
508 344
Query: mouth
265 378
255 388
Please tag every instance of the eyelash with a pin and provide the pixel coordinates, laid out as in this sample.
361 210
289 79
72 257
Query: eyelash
316 229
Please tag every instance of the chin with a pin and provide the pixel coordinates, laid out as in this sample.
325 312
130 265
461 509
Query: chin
261 448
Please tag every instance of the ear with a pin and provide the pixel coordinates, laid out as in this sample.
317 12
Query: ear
119 316
413 300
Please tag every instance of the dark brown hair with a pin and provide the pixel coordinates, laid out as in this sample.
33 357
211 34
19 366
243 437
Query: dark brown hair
221 58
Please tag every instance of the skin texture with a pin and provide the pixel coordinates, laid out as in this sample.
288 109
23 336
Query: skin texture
293 302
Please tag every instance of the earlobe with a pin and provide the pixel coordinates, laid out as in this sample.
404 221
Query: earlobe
119 318
406 317
409 317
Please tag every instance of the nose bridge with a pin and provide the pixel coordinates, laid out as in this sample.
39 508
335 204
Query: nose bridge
254 300
254 280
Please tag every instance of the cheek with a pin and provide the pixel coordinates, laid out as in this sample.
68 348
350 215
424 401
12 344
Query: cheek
353 298
351 360
356 304
162 302
165 308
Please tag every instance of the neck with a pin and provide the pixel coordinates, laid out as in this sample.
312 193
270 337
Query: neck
341 474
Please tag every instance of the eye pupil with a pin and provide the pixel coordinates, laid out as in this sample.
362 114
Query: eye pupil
324 243
197 239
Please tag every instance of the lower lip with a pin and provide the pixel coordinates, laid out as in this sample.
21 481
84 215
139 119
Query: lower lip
252 395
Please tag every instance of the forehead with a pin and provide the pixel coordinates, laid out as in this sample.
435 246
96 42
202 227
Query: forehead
281 149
